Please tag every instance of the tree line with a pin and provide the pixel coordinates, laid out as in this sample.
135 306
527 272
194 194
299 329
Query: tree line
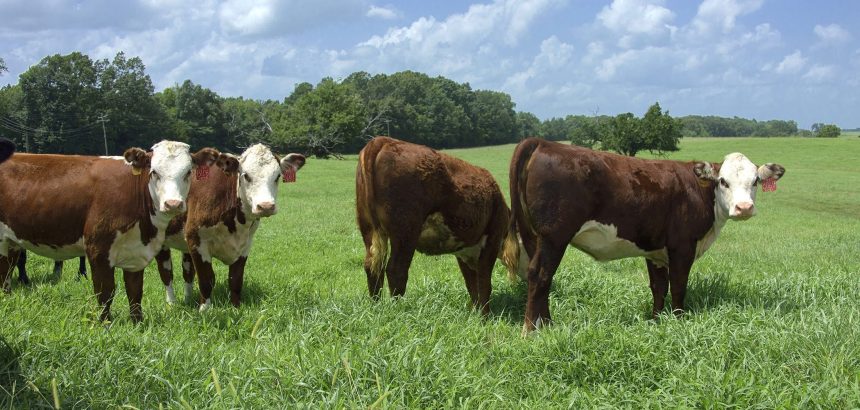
74 104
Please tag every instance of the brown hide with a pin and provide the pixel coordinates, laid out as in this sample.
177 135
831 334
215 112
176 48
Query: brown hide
655 204
399 186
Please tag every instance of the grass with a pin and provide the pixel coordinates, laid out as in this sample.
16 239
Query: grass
774 316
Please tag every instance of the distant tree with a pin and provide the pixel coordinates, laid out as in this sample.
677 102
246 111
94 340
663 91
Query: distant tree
495 119
528 125
3 66
197 115
624 135
828 131
660 131
586 132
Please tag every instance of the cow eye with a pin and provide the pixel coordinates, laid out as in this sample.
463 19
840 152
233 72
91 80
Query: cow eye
187 174
755 182
155 175
276 177
724 183
246 176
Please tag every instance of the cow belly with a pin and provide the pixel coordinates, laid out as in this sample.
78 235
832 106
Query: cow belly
219 243
176 241
128 252
56 252
436 238
602 243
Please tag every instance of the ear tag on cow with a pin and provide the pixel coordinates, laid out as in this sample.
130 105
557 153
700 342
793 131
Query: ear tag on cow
289 174
135 171
202 172
768 185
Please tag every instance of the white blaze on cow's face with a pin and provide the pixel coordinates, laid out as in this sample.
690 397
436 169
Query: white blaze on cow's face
736 184
170 176
259 171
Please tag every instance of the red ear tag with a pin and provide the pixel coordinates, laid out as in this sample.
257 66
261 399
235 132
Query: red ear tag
289 174
202 173
768 185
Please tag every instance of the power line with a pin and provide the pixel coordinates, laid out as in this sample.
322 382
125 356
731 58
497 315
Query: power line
11 122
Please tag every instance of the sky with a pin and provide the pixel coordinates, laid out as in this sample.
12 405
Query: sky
764 59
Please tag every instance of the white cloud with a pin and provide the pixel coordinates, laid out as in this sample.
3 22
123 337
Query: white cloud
832 33
792 63
385 13
271 18
636 16
554 55
820 73
722 14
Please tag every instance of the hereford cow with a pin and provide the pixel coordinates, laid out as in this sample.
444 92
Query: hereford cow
611 207
115 210
7 148
58 268
410 197
224 211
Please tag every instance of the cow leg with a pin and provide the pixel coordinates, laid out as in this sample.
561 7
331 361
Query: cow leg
680 263
134 291
375 280
542 267
397 271
104 285
188 275
165 271
471 278
205 280
22 267
58 269
659 279
7 263
236 276
82 268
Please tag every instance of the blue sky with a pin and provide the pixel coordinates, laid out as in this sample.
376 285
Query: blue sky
763 59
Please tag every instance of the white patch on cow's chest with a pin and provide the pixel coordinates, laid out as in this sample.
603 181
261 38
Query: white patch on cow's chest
436 238
61 252
176 241
219 243
470 255
128 252
602 243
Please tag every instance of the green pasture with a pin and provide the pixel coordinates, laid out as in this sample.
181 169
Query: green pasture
773 321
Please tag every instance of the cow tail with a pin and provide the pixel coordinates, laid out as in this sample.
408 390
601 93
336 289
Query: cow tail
517 237
379 240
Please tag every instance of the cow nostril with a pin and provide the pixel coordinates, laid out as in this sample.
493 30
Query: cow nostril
266 207
173 204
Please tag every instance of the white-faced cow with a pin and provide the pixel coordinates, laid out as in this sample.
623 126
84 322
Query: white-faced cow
611 207
224 212
114 210
410 197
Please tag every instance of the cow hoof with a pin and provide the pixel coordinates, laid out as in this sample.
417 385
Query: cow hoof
206 306
170 297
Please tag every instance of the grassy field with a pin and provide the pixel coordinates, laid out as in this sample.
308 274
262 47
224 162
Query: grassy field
774 316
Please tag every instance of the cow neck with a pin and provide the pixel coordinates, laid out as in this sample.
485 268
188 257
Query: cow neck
709 196
233 212
149 218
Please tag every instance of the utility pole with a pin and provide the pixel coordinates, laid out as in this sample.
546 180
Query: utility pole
103 119
388 127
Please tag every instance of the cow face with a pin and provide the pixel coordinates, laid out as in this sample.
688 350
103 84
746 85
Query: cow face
736 182
259 171
169 165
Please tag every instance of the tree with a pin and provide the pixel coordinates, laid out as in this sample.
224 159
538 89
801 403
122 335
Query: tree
584 131
624 135
3 66
528 125
660 132
196 114
827 131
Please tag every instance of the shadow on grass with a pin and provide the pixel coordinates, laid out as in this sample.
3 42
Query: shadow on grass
510 305
712 291
15 390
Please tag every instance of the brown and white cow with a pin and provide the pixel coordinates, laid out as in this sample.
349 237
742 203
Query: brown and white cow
115 210
612 206
224 212
410 197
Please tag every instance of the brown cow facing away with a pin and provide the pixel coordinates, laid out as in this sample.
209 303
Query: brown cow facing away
114 210
612 206
410 197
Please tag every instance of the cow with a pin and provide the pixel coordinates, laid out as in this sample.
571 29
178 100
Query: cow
114 210
58 268
7 148
409 197
611 206
224 212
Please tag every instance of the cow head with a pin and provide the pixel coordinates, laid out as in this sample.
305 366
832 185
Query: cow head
736 182
6 149
169 165
258 173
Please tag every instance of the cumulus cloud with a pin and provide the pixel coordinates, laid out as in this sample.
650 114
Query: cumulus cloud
820 73
636 16
792 63
554 54
385 13
265 18
722 14
832 33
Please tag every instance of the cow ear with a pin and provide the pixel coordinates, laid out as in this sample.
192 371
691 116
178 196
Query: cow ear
205 157
296 161
705 171
6 149
229 163
771 171
137 158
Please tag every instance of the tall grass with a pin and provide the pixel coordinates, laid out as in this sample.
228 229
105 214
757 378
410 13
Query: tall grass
774 316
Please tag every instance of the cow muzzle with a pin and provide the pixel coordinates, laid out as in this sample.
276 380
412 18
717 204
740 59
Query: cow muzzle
265 209
742 211
173 206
